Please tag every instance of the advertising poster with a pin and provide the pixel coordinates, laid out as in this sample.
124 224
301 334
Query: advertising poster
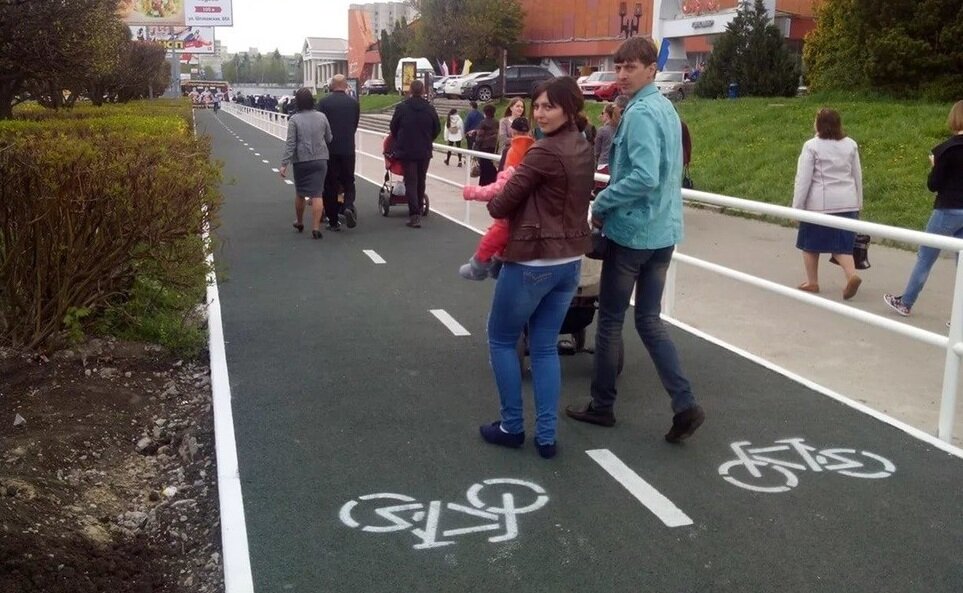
209 13
151 12
409 71
194 40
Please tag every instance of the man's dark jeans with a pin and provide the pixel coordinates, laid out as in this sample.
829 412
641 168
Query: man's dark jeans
340 176
416 173
625 270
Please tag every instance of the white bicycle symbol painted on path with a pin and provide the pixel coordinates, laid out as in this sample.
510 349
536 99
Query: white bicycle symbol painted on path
398 512
746 471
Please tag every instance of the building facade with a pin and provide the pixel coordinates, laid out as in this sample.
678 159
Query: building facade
382 15
323 57
579 36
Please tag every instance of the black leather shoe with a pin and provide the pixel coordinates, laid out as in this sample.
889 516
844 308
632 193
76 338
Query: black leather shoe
351 218
685 423
585 413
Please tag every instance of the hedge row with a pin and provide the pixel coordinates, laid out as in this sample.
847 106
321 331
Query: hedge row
91 200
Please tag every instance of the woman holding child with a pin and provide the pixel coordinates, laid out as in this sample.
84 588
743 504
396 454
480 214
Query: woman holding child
546 203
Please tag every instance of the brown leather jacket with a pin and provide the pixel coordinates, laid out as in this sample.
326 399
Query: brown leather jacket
547 199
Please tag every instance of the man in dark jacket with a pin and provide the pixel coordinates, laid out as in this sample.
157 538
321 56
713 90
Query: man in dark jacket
343 114
414 127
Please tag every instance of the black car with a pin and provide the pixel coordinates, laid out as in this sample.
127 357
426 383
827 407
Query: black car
374 86
519 81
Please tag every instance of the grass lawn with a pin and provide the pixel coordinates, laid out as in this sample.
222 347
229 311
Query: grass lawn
375 103
748 148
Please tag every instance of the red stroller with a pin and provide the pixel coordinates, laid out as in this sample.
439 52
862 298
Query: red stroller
392 193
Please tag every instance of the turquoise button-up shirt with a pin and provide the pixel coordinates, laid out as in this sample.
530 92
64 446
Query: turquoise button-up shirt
642 206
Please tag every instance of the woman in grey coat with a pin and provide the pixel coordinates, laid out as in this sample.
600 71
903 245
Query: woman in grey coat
307 147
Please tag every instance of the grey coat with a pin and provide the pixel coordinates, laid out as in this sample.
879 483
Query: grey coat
308 135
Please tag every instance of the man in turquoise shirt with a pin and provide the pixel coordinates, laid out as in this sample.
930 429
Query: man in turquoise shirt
640 213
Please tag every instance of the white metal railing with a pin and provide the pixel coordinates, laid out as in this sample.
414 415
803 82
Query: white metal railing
276 125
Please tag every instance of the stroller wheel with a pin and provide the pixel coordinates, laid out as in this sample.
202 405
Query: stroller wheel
579 336
384 202
424 206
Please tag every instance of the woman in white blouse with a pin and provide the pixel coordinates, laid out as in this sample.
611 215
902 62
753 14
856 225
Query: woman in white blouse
829 179
454 133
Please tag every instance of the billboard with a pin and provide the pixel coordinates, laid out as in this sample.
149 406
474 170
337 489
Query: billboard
208 13
194 40
151 12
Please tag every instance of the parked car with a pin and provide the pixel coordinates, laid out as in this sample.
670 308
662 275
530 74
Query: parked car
454 88
674 85
594 82
608 92
374 86
519 81
439 83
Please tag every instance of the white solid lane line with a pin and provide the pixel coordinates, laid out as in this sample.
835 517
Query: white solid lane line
655 501
374 256
449 322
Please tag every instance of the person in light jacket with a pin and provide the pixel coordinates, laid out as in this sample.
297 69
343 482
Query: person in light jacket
829 179
454 133
307 147
946 180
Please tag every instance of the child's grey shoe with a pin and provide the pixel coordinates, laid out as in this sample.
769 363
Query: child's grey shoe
474 270
495 268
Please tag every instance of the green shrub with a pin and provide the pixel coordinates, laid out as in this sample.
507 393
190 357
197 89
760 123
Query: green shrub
91 203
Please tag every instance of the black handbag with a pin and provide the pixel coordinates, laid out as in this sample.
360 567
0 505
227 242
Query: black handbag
860 253
600 245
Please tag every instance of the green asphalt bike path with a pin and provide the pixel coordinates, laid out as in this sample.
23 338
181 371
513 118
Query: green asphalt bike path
356 413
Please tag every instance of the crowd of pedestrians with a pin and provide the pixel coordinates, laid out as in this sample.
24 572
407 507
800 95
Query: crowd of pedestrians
548 214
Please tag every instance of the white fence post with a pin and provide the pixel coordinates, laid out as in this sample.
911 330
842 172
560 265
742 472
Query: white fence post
951 372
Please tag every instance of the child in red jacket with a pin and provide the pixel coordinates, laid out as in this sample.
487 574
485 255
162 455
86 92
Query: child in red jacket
485 262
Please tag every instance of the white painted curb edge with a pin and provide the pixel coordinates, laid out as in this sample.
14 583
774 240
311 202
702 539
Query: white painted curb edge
911 430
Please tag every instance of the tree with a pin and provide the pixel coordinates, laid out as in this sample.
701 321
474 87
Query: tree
392 47
475 29
752 53
49 45
898 47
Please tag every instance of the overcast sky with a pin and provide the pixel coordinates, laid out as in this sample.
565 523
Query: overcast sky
283 24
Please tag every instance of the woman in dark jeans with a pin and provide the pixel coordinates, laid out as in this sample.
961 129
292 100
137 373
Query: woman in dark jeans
486 140
946 179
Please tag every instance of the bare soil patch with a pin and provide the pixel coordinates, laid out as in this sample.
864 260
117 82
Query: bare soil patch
107 472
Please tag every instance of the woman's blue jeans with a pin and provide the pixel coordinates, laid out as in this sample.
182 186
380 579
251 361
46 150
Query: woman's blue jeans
942 222
538 296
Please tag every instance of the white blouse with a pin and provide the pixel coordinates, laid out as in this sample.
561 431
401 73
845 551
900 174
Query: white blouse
455 132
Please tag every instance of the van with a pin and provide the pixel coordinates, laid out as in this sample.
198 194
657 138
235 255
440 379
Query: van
423 66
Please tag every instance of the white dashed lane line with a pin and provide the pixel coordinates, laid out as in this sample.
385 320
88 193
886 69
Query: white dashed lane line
374 256
289 182
655 501
449 322
265 162
275 170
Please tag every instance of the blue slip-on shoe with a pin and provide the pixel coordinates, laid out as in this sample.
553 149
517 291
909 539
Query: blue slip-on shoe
546 451
493 433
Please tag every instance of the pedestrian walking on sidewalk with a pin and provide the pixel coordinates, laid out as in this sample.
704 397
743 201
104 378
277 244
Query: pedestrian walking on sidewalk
640 214
454 132
307 148
946 180
472 119
343 113
414 126
829 179
546 204
486 140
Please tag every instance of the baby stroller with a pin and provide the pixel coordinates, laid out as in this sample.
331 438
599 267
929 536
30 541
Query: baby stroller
580 314
392 193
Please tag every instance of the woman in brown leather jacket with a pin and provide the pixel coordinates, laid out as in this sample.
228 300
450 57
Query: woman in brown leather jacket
546 202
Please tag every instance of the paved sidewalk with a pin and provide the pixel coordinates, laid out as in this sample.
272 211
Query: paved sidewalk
895 375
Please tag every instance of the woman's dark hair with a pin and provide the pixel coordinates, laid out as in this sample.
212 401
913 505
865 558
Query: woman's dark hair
451 112
829 126
564 92
489 110
303 99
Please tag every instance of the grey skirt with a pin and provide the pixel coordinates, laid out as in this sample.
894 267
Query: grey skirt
309 177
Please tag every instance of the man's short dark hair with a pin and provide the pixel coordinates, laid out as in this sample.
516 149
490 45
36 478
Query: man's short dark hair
636 49
489 110
417 88
303 99
473 104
